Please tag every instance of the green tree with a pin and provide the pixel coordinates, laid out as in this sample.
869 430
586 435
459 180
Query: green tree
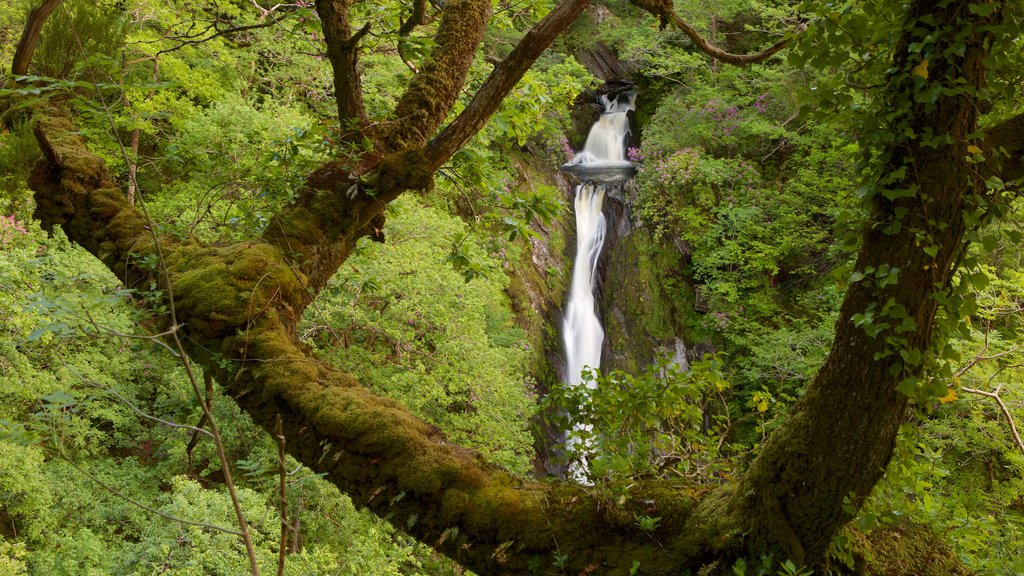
938 170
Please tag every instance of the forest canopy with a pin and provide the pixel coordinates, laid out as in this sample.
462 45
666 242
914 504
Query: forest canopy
282 284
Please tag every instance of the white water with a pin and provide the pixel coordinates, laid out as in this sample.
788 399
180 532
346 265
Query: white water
607 138
581 328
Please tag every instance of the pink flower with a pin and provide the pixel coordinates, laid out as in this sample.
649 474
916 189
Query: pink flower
10 228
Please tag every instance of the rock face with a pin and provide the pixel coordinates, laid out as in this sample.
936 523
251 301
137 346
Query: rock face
602 62
645 301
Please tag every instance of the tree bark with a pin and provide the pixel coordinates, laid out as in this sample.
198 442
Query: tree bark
30 36
503 78
433 92
241 303
343 53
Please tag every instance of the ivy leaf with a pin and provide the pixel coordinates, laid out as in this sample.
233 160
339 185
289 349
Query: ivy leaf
921 69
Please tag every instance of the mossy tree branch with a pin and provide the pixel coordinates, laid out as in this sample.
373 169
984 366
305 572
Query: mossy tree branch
240 303
342 202
432 93
502 79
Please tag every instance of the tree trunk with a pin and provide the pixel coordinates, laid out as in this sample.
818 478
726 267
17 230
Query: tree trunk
816 470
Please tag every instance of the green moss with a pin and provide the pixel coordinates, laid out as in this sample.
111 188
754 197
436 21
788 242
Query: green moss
406 170
298 225
646 300
223 289
65 146
904 549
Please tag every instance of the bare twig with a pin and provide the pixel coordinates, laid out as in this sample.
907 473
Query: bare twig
1002 406
202 422
213 31
994 394
665 13
134 502
282 475
133 407
980 356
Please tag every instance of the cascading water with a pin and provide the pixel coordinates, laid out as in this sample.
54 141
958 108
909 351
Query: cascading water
581 328
601 164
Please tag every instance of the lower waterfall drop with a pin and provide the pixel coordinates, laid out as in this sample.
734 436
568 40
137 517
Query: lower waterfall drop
582 329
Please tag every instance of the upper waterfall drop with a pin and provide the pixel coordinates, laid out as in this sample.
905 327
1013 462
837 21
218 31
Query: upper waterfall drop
603 158
607 139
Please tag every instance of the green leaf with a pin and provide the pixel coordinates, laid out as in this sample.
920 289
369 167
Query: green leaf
980 280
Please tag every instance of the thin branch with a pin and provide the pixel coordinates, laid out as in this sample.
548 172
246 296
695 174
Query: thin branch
134 502
979 357
203 420
264 12
155 338
417 18
192 39
282 492
663 9
1006 412
133 407
178 345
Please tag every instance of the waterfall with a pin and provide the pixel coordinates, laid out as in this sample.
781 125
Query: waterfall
601 162
600 165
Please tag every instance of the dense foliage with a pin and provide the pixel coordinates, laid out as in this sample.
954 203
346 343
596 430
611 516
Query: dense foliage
752 186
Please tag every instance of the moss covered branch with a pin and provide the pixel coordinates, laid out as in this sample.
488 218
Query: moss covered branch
238 306
433 92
